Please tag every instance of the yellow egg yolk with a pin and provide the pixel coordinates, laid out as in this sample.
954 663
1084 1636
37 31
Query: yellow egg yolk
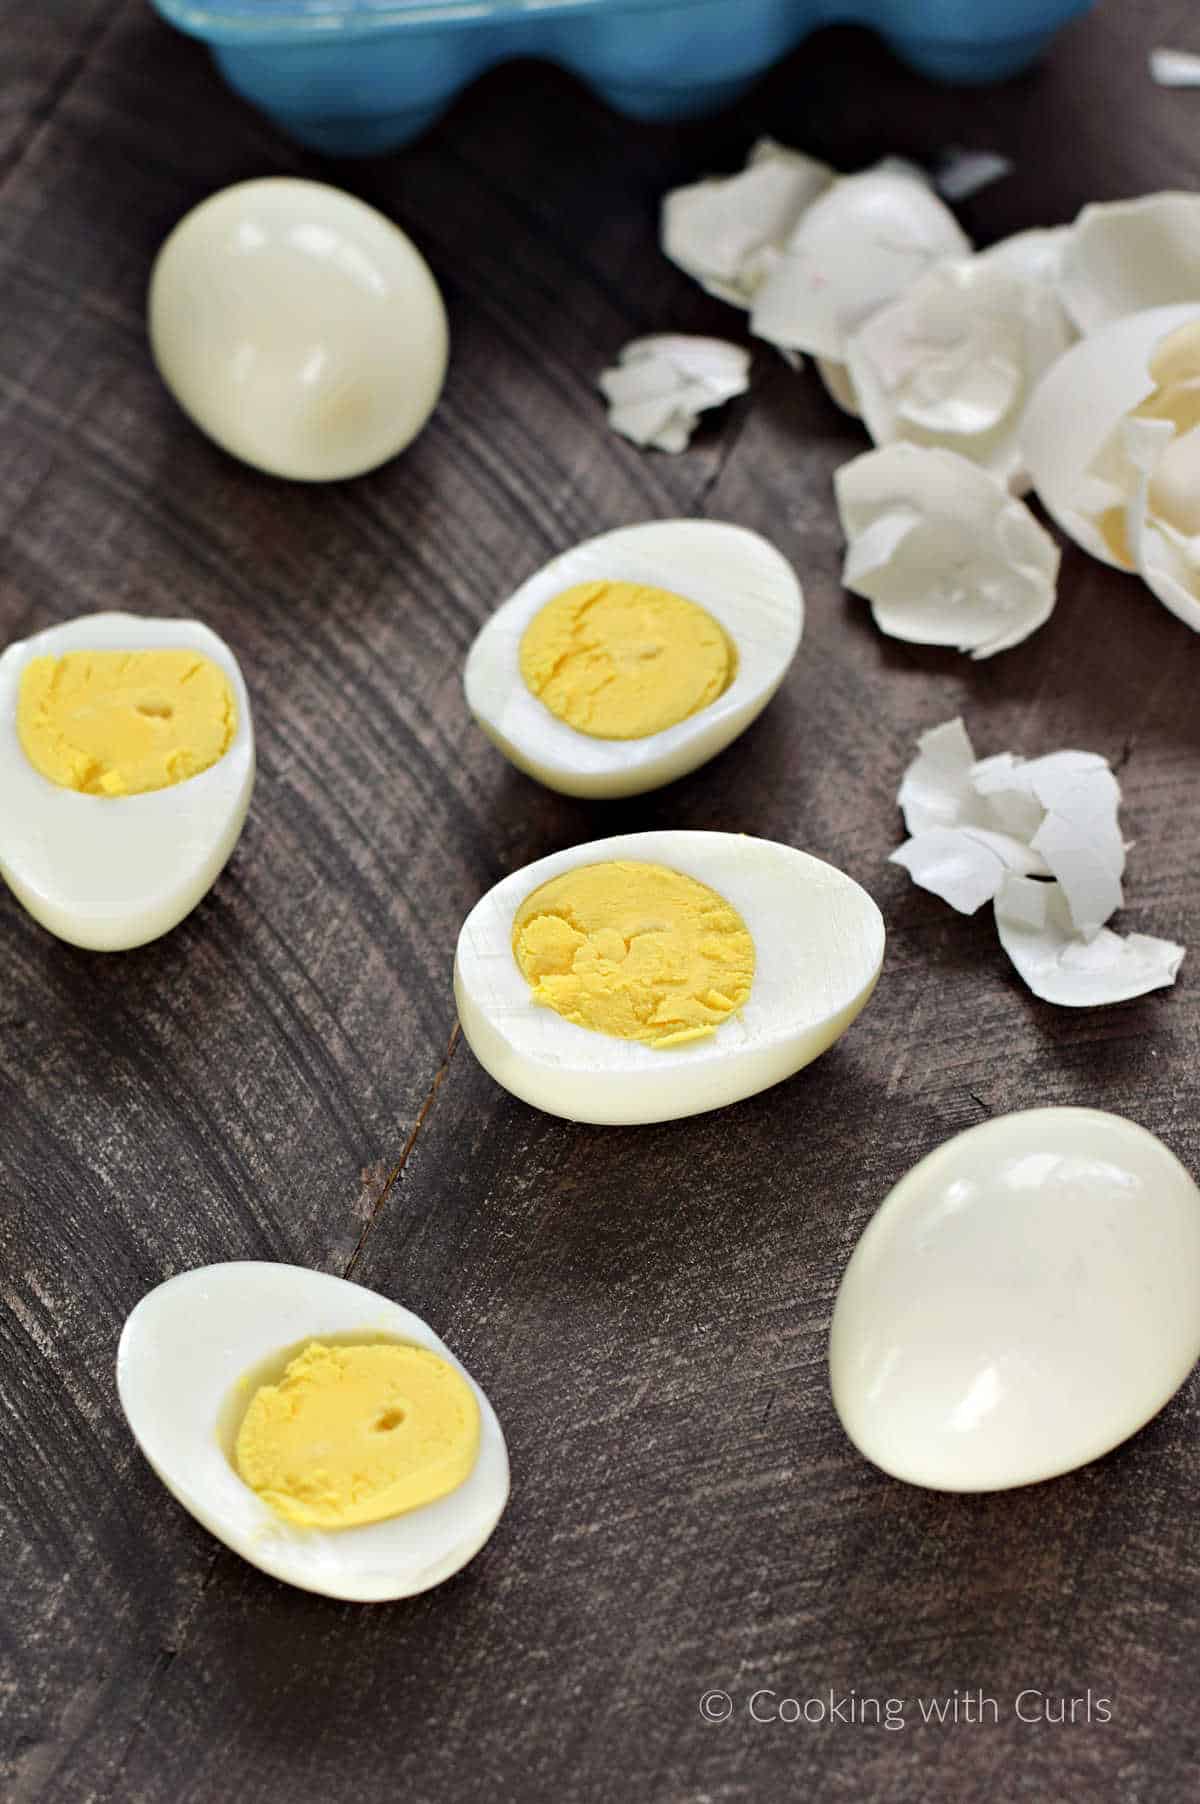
352 1435
635 950
622 660
117 723
1175 487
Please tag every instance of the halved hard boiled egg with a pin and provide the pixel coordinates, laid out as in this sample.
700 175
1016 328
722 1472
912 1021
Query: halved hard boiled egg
656 975
204 1349
636 656
126 766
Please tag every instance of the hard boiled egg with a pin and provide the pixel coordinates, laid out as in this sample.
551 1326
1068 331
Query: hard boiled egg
112 871
817 947
191 1355
735 576
299 328
1023 1300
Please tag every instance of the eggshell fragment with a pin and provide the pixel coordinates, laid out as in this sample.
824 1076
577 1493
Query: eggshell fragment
962 173
818 941
953 360
1125 256
1175 68
855 248
937 789
941 550
727 230
1061 966
965 866
184 1356
1023 1300
740 579
662 385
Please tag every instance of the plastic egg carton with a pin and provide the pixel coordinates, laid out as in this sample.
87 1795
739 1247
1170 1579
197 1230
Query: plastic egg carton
355 77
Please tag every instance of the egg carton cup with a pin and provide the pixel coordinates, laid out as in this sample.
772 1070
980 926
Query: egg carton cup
357 77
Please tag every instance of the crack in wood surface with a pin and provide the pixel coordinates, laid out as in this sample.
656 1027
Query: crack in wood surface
406 1154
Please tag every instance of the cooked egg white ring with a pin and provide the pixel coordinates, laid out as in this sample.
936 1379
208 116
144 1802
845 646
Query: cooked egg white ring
183 1355
743 582
111 872
818 940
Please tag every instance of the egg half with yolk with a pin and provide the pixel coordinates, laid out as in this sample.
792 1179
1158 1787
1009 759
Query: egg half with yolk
126 767
656 975
319 1430
636 656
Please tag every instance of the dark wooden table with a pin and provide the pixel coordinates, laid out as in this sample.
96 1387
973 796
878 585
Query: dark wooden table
281 1077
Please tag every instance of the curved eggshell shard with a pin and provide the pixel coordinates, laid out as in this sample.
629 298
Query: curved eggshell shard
1074 412
818 941
1125 256
1022 1301
109 873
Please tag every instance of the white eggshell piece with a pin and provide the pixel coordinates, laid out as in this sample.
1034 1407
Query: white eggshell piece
111 872
965 866
298 328
1167 561
1074 412
1175 68
962 173
936 789
744 584
944 554
953 359
661 385
854 249
726 230
1024 1299
1035 254
1062 966
1127 255
184 1353
818 941
838 385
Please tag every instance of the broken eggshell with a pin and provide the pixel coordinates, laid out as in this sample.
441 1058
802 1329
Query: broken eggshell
662 384
1126 256
941 550
1072 419
1061 966
953 360
726 231
854 249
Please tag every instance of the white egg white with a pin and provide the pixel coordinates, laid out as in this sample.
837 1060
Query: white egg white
111 872
818 941
298 327
1022 1301
742 581
185 1355
1076 408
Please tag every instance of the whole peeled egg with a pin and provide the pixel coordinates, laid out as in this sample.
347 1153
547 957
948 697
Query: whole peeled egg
191 1356
698 615
298 327
104 869
1023 1300
656 975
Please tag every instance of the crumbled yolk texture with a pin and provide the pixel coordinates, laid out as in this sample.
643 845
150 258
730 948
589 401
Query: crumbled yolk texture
352 1435
635 950
1175 487
622 660
118 723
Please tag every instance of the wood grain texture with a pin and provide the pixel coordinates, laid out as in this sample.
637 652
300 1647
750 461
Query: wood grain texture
279 1078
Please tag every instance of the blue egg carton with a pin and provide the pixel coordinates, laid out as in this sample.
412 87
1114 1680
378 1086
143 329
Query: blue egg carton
355 77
